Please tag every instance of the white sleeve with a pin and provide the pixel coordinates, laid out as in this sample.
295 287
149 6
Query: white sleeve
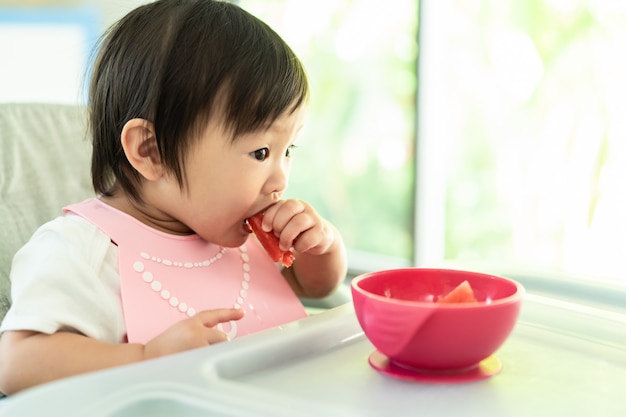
66 278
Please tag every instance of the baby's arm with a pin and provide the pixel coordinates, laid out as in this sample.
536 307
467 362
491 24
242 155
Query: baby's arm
320 264
30 358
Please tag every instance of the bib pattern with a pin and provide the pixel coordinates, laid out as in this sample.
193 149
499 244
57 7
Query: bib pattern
166 278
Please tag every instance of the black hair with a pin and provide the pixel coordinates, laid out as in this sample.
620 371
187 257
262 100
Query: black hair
172 63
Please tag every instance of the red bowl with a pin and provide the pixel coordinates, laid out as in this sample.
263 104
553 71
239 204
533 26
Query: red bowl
398 313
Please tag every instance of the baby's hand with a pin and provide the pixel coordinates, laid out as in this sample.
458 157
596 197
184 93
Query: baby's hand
298 225
194 332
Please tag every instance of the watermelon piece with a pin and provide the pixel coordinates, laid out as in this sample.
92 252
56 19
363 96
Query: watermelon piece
269 241
463 293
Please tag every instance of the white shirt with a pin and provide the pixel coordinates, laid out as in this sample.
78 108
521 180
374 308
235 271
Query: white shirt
66 278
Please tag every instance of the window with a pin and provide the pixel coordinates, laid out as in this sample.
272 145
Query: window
522 126
58 39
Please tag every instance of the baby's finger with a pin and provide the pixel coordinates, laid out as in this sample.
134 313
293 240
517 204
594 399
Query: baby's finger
298 228
286 212
211 318
316 240
216 336
268 216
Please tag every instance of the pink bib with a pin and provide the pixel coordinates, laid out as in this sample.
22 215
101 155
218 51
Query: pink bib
166 278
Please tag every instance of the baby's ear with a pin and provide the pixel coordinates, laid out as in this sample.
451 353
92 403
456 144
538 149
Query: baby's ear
141 148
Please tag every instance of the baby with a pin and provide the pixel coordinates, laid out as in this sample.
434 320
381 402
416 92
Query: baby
195 107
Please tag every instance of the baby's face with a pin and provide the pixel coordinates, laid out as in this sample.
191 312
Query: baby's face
229 181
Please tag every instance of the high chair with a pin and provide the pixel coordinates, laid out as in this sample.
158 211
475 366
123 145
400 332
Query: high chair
44 164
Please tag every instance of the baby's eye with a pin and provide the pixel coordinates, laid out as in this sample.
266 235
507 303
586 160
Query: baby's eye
290 151
260 154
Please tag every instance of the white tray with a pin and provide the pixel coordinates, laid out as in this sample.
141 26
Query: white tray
565 357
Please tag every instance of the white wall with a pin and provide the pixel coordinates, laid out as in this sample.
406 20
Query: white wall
44 50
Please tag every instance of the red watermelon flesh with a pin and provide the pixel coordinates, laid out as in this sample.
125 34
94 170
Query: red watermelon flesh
463 293
269 241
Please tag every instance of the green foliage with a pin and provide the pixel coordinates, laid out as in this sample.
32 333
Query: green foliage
538 105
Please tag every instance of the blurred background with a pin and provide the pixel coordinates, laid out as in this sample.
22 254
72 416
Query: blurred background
482 133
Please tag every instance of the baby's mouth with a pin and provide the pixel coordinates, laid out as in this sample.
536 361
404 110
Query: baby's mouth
246 226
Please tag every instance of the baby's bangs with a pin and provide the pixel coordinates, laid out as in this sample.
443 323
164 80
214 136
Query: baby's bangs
272 82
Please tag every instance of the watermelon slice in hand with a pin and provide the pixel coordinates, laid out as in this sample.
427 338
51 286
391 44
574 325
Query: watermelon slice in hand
269 241
463 293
